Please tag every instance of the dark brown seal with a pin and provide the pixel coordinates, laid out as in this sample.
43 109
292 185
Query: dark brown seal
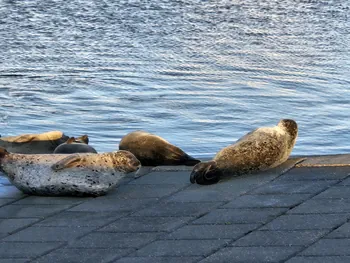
259 150
152 150
75 145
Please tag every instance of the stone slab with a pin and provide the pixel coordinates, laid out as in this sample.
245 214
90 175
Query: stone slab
13 260
316 173
25 211
306 222
6 201
26 250
10 191
158 260
320 259
328 247
83 255
70 219
326 160
262 201
146 224
341 232
48 200
115 240
322 206
8 226
280 238
180 248
178 209
182 178
135 191
240 216
103 204
293 187
211 231
335 192
251 254
48 234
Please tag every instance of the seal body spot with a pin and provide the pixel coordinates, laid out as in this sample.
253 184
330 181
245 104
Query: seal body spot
78 174
153 150
259 150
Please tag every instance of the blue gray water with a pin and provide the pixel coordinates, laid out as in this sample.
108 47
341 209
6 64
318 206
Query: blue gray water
198 73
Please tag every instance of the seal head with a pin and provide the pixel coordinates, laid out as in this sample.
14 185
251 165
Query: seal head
205 173
75 145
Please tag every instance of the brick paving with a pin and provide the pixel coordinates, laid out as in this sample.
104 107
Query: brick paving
302 215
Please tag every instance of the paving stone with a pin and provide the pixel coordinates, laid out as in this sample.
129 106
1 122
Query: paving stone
13 260
240 216
8 226
26 250
321 259
178 209
180 248
223 191
251 254
4 180
306 222
43 234
10 191
132 191
182 178
335 192
17 211
48 200
158 259
5 201
329 247
256 201
68 218
146 224
83 255
211 231
280 238
341 232
316 173
115 240
345 182
324 206
102 204
293 187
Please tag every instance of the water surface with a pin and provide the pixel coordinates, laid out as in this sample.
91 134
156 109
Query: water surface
199 73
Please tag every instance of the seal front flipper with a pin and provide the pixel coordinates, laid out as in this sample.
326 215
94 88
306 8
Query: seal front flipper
67 162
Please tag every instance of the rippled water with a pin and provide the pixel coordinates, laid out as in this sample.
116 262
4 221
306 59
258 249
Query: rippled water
199 73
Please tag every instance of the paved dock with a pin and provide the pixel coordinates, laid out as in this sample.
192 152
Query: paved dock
289 214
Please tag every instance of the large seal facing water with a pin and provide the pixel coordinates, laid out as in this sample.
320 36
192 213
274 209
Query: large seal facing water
75 145
153 150
36 143
67 174
259 150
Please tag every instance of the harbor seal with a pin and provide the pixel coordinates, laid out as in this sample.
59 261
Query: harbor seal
259 150
77 174
36 143
73 145
153 150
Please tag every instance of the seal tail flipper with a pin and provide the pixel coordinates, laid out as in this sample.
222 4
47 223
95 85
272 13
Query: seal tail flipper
70 140
72 160
82 139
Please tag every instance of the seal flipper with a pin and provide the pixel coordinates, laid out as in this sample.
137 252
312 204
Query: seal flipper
70 161
190 161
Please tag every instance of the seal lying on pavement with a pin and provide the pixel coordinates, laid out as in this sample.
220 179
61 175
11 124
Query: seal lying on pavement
153 150
73 145
67 174
35 143
259 150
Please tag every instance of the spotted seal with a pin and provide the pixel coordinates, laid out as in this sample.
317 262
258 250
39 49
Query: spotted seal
36 143
259 150
152 150
67 174
75 145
